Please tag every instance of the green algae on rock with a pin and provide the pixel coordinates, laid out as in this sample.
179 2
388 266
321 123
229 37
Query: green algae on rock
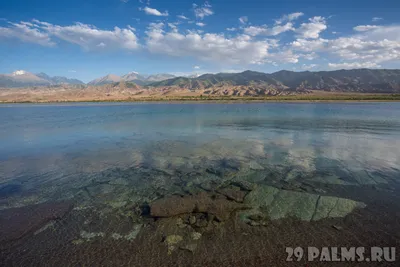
278 204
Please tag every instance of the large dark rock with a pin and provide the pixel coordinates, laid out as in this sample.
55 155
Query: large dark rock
16 223
200 203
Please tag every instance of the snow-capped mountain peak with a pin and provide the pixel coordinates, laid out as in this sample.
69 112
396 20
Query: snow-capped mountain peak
18 72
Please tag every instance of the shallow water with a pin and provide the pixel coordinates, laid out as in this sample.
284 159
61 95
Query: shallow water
50 152
335 163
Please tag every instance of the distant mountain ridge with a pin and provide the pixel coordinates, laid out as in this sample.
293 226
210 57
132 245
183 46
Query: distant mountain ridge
133 77
357 80
244 83
58 79
21 78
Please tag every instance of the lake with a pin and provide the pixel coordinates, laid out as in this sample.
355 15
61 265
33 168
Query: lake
320 163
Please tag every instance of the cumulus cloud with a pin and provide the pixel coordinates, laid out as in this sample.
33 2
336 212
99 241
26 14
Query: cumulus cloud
264 30
313 28
366 49
154 12
208 46
309 45
196 67
89 37
202 11
26 32
86 36
243 20
368 46
289 17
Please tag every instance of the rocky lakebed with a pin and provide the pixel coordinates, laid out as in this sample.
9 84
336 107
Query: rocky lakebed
221 203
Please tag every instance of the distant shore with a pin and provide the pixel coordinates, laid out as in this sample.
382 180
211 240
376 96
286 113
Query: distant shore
327 97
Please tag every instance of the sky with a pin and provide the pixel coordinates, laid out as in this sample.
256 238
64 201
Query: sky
87 39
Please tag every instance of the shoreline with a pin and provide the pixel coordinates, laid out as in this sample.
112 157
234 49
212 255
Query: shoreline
298 99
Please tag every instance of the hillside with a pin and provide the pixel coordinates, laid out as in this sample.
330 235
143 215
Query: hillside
358 80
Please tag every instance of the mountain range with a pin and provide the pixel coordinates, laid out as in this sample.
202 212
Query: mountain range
244 83
357 80
133 77
21 78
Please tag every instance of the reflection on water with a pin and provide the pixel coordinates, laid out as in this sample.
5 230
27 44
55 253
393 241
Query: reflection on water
51 151
165 175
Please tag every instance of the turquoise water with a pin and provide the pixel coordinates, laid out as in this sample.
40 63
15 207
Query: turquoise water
52 152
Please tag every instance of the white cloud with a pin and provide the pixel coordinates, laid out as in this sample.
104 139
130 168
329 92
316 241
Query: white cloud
200 24
90 38
264 30
196 67
289 17
368 48
208 46
374 19
231 29
26 32
364 28
243 20
202 11
308 45
313 28
154 12
353 65
72 71
182 17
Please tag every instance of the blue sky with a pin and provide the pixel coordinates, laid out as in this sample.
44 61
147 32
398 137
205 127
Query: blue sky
86 39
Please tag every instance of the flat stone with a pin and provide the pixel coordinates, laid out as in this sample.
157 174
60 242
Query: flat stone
296 204
278 204
261 196
171 242
189 247
196 235
134 233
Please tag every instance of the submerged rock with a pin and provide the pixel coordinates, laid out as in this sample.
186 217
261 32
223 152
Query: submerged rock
89 236
200 203
233 193
279 204
133 234
189 247
196 235
171 242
